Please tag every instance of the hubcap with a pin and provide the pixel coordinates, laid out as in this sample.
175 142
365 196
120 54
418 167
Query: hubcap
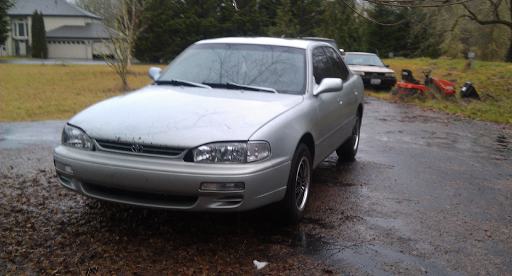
302 183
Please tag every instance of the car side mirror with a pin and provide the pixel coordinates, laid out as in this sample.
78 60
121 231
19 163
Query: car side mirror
386 65
329 85
154 73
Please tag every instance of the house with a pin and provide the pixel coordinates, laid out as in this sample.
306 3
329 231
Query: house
71 32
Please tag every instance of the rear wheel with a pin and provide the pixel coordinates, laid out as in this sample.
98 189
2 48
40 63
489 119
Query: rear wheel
400 91
348 149
299 182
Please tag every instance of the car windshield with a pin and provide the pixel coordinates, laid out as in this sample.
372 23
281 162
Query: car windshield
241 66
361 59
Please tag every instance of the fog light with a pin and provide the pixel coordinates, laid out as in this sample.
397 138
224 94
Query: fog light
229 186
63 167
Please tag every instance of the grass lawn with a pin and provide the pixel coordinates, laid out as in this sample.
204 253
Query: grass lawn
492 80
34 92
55 92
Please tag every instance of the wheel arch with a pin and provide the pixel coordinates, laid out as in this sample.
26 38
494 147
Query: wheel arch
308 140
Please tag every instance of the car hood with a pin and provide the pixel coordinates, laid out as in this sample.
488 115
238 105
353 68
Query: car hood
366 68
182 116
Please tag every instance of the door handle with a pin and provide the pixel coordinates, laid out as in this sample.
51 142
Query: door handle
340 102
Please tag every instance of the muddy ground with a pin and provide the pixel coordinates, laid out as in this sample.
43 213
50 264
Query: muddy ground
429 193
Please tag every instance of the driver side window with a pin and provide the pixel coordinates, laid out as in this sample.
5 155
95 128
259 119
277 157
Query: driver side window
328 64
321 65
339 69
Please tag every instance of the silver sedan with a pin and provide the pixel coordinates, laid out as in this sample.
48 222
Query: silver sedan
231 124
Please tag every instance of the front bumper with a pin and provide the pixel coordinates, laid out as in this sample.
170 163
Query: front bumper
169 183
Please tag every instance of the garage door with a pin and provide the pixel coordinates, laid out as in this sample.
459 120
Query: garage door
67 49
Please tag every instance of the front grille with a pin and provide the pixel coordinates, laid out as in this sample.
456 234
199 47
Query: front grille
374 74
138 197
140 149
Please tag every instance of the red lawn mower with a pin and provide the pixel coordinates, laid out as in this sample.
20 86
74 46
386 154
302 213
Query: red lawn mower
410 86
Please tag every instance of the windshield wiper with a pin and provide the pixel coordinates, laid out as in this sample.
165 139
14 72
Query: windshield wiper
181 83
232 85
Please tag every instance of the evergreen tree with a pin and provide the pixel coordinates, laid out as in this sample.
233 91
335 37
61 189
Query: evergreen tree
39 45
413 37
382 39
307 14
424 37
297 18
286 25
34 29
4 22
340 23
174 25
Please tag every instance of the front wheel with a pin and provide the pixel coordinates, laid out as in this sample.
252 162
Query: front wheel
299 182
348 149
413 92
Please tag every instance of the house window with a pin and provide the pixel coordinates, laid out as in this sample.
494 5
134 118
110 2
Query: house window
20 28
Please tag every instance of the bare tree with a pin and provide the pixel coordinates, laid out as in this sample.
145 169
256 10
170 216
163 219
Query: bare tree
103 8
123 27
126 17
483 12
116 52
492 12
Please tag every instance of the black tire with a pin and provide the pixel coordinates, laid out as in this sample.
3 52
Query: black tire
295 200
348 149
413 92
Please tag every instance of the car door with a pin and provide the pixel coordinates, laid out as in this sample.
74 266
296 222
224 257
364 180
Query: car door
332 117
348 94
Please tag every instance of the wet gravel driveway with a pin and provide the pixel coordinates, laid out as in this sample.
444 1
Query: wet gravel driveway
429 194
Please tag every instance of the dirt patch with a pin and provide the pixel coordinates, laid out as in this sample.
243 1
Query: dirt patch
48 230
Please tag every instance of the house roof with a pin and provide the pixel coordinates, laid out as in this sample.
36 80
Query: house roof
48 8
89 31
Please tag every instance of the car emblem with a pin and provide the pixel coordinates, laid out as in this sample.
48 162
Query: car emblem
137 148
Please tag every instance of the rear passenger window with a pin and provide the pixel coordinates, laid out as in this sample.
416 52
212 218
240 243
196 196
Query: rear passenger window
338 67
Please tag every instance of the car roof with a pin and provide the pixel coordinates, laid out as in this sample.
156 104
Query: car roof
360 53
318 38
288 42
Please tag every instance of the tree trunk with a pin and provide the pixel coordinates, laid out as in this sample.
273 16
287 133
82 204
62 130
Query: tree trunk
508 58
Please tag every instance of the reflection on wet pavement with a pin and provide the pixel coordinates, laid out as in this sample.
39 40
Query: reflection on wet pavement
423 196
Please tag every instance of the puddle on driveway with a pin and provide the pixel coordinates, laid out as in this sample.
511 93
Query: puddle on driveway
362 257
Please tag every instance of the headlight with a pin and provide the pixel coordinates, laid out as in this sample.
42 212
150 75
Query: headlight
390 75
236 152
359 73
75 137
